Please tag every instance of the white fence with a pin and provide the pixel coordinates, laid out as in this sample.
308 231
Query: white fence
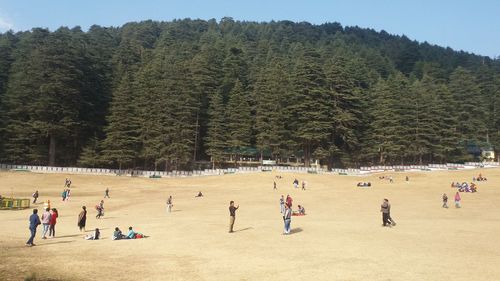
215 172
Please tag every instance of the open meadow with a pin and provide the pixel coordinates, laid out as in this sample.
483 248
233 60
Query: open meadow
340 238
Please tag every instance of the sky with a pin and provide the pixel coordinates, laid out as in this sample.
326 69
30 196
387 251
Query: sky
471 26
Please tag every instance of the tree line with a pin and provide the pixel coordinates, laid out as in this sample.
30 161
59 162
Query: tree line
167 95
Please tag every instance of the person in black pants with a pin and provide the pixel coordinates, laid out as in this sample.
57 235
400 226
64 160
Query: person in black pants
384 208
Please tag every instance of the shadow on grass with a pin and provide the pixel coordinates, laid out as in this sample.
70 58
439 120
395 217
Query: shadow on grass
243 229
296 230
52 243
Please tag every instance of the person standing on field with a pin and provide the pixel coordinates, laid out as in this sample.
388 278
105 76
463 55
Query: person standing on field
287 219
169 204
106 194
45 222
82 218
384 208
445 200
34 223
232 215
457 200
53 220
35 197
282 204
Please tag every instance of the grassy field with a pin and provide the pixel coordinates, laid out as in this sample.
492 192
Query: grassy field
340 238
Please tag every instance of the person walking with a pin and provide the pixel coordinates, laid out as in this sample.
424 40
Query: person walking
63 195
232 215
384 208
169 204
274 186
34 223
53 220
445 200
100 210
68 194
287 219
457 200
303 185
106 193
82 218
282 204
389 218
35 196
45 222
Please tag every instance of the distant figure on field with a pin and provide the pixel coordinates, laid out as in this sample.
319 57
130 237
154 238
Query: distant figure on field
67 183
445 200
100 209
82 218
389 218
169 204
34 223
391 180
63 195
289 201
199 194
282 204
45 222
35 197
407 179
232 215
287 219
301 211
274 185
296 183
384 208
68 194
303 185
53 220
106 193
94 236
457 200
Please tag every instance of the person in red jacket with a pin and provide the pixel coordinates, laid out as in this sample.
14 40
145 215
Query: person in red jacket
53 221
289 201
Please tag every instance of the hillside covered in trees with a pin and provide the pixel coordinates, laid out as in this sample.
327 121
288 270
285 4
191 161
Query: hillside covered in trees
169 94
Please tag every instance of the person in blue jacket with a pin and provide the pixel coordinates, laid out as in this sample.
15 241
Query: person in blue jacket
34 223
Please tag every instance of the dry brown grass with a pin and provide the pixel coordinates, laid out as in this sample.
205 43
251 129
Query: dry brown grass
341 238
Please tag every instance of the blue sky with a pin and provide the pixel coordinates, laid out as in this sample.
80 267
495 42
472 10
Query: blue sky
472 26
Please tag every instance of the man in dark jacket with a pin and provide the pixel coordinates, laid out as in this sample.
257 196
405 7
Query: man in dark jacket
34 223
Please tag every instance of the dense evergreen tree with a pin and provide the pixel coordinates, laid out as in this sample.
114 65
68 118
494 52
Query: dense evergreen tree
178 93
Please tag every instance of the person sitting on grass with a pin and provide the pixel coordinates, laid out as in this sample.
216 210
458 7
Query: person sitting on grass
134 235
199 194
94 236
131 233
117 234
302 211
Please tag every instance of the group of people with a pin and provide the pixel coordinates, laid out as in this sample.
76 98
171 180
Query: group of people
48 222
118 235
66 194
296 184
479 178
389 178
465 187
458 200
